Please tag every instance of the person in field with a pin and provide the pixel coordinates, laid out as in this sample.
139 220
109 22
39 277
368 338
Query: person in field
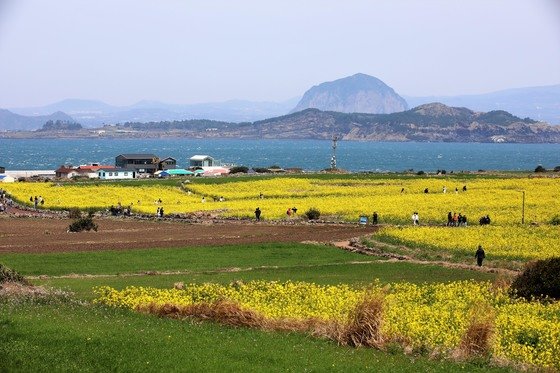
258 214
415 219
479 255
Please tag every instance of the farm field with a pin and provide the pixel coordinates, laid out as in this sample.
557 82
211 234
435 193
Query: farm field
343 198
287 271
90 337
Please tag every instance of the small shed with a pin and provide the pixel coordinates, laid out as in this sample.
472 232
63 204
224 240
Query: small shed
66 171
201 161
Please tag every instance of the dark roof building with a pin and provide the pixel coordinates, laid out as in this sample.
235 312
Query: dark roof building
167 163
140 163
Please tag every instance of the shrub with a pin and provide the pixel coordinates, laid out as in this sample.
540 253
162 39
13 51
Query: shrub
420 173
555 220
539 279
540 169
83 224
10 275
261 170
74 213
557 169
313 213
239 170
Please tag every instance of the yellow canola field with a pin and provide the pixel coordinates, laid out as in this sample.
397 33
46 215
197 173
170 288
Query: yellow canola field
344 199
432 316
350 198
511 242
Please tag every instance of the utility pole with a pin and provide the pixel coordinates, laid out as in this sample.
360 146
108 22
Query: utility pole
333 158
523 209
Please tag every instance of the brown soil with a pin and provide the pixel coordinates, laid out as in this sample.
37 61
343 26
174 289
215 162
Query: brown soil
42 235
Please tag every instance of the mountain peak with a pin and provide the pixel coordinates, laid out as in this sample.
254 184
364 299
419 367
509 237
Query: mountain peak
359 93
437 109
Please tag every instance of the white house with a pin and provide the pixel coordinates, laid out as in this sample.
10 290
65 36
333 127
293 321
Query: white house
202 161
116 174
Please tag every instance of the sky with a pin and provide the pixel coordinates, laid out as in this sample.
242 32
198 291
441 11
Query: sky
184 52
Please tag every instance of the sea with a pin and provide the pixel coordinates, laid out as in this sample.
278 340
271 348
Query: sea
312 155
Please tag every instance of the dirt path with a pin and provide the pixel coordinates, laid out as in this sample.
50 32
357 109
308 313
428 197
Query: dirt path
38 234
351 245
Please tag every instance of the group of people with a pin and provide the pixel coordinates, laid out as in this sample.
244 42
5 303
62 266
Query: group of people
159 212
5 200
456 220
120 210
291 211
37 201
485 220
444 190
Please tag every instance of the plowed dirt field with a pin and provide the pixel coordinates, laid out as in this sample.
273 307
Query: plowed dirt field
34 234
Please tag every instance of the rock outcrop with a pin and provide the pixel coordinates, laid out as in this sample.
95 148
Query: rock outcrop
359 93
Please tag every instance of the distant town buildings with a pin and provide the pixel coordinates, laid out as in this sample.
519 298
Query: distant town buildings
128 166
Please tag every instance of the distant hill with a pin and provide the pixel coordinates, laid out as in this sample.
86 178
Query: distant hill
12 121
433 122
93 113
60 125
359 93
540 103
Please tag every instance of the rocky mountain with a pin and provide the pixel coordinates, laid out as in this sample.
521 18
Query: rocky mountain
12 121
359 93
540 103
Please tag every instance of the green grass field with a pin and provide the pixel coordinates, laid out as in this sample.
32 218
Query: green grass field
69 335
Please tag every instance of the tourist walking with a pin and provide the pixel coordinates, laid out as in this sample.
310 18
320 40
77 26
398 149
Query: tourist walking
415 219
479 255
374 218
258 214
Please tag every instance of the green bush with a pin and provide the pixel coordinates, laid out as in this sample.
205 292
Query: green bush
313 213
239 170
83 224
9 275
540 168
539 279
555 220
261 170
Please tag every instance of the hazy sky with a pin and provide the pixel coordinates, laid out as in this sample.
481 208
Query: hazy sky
181 51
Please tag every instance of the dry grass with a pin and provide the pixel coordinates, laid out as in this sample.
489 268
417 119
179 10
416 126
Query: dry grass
477 340
362 329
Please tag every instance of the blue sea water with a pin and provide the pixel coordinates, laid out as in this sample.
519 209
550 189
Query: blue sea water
44 154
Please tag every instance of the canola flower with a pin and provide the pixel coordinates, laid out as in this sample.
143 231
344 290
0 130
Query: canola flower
432 316
344 199
510 242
